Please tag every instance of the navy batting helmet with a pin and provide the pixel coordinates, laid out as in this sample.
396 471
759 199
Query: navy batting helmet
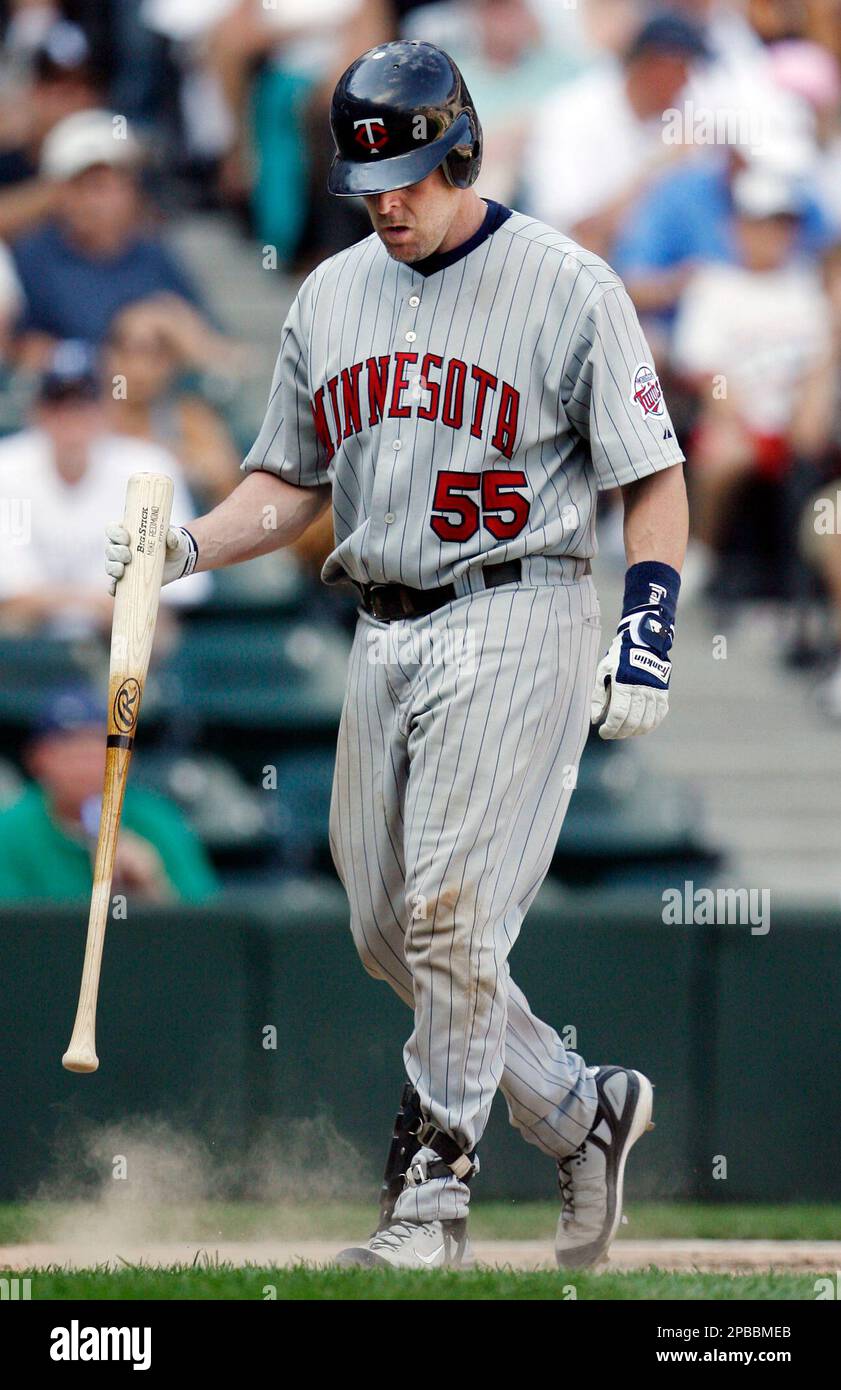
399 112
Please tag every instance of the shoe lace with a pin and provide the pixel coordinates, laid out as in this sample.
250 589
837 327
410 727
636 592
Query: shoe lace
394 1235
566 1180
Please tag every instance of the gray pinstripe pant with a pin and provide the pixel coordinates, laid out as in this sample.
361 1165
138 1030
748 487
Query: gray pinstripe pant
457 749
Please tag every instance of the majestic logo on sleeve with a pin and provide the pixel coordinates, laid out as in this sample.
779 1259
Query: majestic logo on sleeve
647 391
406 384
371 133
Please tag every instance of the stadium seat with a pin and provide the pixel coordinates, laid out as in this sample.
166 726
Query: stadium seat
274 582
254 674
227 815
33 666
302 807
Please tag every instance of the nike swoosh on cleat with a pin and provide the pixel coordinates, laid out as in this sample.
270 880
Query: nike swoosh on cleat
427 1259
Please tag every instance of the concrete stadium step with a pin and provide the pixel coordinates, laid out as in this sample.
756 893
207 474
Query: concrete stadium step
247 300
806 879
250 299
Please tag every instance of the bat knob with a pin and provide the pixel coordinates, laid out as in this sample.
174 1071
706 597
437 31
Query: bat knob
80 1059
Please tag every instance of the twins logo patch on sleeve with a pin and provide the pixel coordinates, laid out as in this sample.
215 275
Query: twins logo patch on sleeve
647 391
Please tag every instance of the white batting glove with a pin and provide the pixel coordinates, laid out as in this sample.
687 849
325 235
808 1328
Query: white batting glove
631 696
623 709
181 554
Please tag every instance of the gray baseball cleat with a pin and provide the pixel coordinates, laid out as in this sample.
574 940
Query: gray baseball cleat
413 1245
590 1179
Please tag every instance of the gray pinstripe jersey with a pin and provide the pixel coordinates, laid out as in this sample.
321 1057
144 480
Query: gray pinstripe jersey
466 415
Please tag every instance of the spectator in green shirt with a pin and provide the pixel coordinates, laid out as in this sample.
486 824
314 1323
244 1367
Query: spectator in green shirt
48 836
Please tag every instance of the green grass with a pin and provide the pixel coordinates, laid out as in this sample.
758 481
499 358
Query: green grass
343 1221
24 1222
224 1282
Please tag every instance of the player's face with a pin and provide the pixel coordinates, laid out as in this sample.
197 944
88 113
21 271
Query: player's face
413 222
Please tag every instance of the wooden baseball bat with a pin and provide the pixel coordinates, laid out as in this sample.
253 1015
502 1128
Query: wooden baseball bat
148 504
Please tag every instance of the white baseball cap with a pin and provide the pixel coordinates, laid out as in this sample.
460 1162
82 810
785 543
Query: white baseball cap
87 138
760 193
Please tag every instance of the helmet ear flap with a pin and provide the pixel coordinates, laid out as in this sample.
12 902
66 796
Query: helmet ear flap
449 174
462 164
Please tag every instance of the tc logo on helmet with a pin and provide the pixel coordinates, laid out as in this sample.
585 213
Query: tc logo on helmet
371 133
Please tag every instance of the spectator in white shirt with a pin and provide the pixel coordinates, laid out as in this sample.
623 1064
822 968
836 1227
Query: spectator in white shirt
599 141
60 482
750 338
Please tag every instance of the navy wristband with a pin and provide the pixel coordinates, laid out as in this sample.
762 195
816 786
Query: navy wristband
652 584
650 605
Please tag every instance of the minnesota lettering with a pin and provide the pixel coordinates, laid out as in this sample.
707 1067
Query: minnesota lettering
402 384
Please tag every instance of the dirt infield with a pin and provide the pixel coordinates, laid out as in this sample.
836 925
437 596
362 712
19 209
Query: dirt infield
722 1256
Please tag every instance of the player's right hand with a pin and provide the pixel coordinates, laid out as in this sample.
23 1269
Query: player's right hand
180 559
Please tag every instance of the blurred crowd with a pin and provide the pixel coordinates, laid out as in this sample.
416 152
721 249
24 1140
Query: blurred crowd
695 145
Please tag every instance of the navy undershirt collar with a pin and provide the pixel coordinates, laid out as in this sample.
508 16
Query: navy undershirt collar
494 218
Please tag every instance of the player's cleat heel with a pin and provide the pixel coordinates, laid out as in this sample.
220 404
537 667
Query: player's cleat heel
591 1179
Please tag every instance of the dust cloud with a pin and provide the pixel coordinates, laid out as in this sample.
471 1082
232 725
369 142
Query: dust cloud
143 1180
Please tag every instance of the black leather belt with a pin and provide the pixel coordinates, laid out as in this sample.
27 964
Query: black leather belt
389 602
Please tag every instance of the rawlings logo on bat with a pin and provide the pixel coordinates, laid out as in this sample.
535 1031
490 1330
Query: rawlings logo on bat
127 704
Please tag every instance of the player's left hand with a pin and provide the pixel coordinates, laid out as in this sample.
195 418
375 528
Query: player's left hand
631 694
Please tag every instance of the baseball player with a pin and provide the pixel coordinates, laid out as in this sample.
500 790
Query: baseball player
460 386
